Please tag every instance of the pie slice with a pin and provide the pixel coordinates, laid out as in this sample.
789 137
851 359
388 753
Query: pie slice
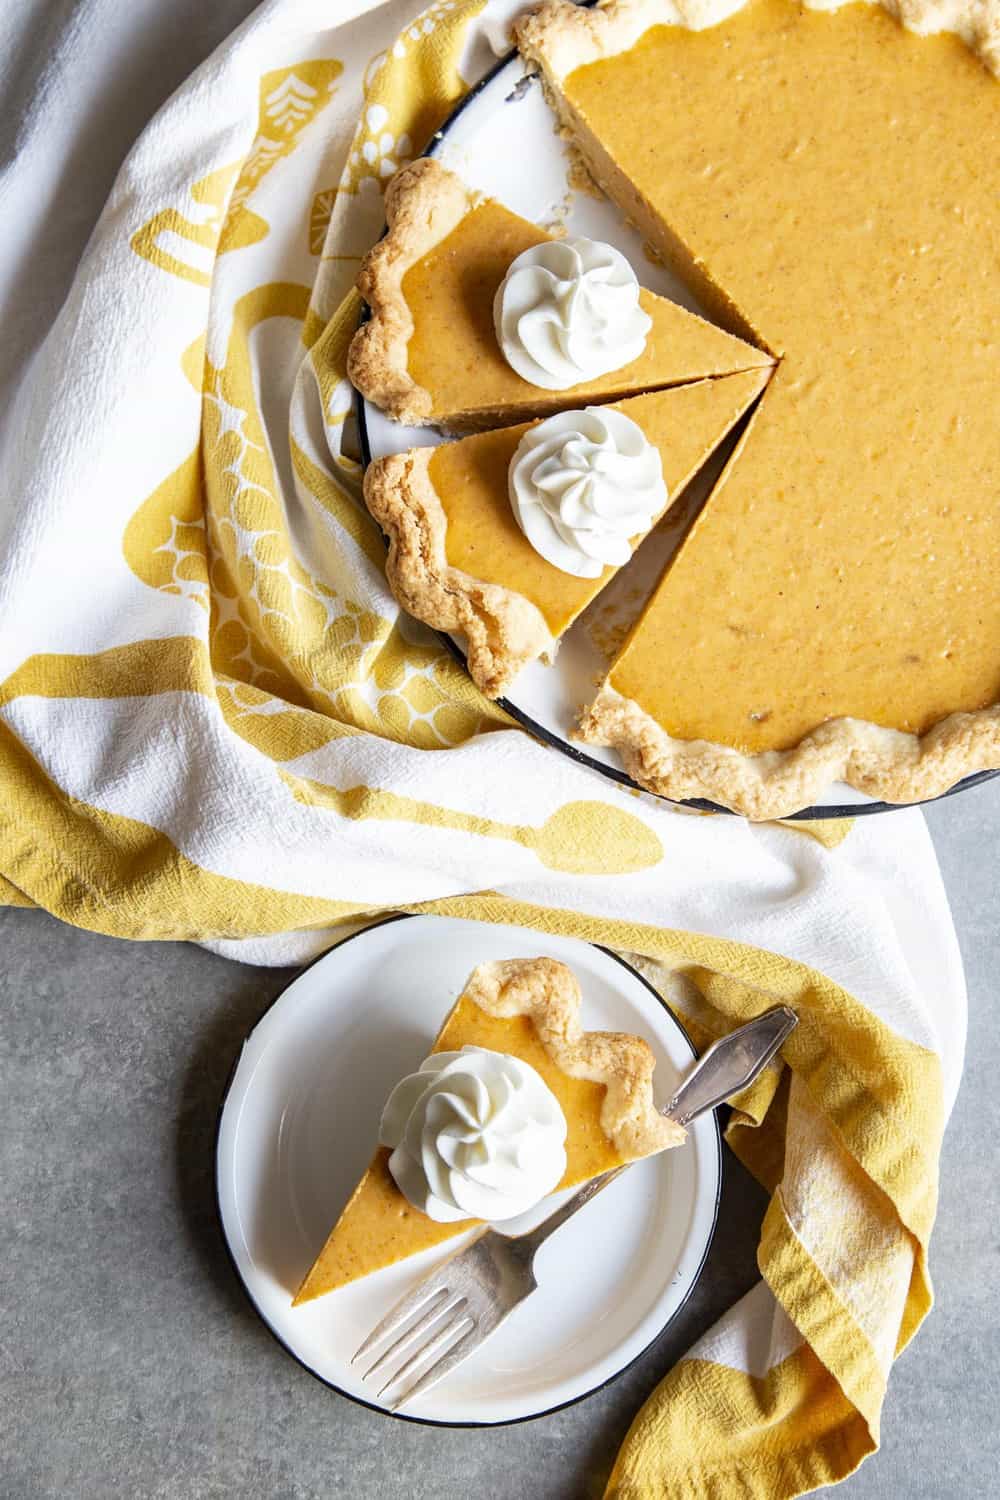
528 1009
835 611
429 352
457 557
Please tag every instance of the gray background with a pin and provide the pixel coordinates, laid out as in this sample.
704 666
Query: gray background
129 1361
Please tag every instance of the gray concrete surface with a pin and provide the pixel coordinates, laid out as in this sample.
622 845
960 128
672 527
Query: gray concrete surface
131 1365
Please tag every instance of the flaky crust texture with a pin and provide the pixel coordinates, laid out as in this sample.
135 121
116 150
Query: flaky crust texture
884 763
560 37
547 993
503 629
423 204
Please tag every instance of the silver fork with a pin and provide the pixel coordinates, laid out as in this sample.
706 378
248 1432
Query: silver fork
451 1312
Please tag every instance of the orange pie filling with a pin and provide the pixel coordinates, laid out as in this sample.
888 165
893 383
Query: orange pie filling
829 183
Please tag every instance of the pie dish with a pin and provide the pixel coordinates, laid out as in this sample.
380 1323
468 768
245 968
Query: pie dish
429 352
528 1009
834 612
457 557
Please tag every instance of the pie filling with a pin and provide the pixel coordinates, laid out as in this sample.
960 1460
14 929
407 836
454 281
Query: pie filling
827 182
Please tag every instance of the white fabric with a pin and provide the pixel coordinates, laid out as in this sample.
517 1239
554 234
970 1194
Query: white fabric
753 1336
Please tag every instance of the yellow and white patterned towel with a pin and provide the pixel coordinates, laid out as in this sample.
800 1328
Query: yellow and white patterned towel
215 724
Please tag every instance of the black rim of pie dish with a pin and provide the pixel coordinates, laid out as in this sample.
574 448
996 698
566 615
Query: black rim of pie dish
548 736
407 1416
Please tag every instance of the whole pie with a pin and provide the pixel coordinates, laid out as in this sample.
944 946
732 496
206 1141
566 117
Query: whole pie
828 182
459 560
527 1010
429 351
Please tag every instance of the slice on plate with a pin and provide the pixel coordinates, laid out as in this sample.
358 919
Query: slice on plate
527 1009
834 614
429 352
457 557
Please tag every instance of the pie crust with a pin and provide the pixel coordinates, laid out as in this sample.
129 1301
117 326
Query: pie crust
885 763
547 993
423 204
503 629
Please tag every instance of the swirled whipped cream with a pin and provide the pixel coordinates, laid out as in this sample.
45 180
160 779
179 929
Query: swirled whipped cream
474 1135
582 484
568 311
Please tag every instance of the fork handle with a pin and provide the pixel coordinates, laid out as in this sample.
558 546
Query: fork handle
536 1237
731 1064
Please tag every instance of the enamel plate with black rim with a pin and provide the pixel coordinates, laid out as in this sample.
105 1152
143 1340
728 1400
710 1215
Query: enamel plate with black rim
502 140
300 1121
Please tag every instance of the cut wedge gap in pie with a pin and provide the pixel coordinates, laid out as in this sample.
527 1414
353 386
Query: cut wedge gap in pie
834 614
429 353
529 1010
458 559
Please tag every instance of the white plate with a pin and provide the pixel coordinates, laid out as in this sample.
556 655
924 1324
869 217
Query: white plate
296 1131
502 140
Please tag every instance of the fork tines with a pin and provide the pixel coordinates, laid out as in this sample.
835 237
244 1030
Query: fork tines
429 1331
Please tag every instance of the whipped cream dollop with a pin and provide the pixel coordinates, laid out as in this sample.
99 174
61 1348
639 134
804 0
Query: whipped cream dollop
582 484
568 311
474 1135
